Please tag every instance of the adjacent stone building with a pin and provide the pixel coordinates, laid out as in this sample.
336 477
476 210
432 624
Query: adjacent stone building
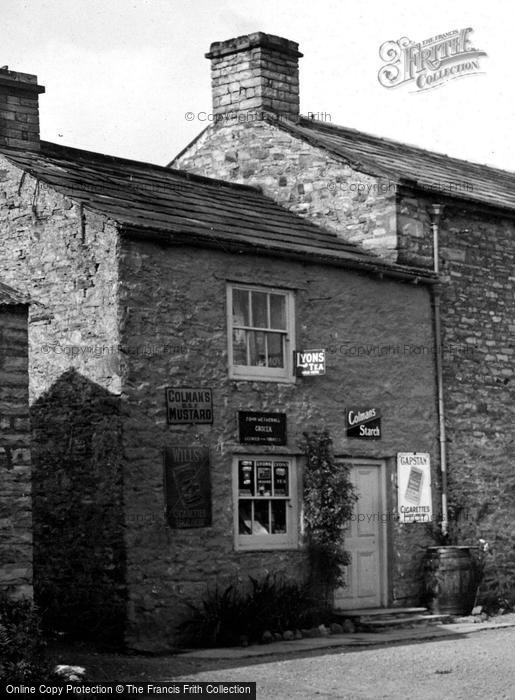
402 203
15 471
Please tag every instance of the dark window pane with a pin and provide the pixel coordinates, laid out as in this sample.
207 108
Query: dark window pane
257 348
264 478
259 310
245 518
278 517
246 477
278 311
239 347
240 307
281 478
275 350
261 522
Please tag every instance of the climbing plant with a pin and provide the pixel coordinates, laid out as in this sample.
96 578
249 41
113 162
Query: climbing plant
329 498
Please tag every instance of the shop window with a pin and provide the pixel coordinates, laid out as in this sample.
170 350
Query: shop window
265 502
261 330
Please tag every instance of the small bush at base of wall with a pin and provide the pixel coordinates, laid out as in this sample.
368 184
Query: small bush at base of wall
22 646
232 615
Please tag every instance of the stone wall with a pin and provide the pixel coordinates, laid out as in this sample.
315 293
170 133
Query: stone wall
309 181
254 73
174 304
19 111
65 258
415 236
477 253
15 468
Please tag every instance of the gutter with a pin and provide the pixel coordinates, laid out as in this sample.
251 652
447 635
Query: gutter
168 238
436 213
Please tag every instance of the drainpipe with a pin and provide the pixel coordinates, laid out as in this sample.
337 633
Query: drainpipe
436 213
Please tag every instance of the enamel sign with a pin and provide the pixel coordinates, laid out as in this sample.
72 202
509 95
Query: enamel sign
414 487
185 405
188 487
363 423
309 363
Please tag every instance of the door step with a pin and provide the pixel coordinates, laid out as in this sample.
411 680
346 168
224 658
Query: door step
382 619
403 621
374 612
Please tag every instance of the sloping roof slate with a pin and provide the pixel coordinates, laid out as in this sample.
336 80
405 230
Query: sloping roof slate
145 197
11 297
410 165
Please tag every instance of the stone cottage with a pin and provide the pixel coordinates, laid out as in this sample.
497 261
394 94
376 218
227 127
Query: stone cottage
411 207
15 470
168 400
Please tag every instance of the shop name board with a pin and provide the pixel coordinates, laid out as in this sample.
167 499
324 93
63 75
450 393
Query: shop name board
256 428
185 406
414 499
188 487
309 363
363 423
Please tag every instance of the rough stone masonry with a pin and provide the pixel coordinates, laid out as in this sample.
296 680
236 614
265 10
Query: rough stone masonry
15 463
65 259
19 111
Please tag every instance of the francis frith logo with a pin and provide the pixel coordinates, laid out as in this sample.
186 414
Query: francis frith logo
429 63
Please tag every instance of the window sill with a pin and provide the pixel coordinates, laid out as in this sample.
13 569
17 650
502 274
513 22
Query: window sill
265 548
270 380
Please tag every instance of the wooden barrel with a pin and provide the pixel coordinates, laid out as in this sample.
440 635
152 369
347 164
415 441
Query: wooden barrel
450 580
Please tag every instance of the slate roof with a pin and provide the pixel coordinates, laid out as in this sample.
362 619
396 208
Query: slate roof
192 209
11 297
409 165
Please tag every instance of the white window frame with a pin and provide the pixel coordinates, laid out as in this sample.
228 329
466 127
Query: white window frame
256 373
287 540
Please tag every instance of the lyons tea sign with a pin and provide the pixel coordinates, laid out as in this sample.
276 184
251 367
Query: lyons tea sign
364 423
309 363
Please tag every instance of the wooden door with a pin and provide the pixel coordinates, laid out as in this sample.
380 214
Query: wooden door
365 540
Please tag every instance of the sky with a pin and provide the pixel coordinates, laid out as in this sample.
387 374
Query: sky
120 75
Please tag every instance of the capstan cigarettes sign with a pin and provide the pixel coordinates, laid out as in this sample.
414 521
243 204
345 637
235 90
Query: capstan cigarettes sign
414 500
429 63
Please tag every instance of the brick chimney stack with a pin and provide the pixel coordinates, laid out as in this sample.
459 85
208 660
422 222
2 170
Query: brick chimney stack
19 114
254 73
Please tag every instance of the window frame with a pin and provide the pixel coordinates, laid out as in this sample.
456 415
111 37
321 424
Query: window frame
288 540
258 373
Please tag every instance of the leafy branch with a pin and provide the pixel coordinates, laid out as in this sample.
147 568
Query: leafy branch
329 498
